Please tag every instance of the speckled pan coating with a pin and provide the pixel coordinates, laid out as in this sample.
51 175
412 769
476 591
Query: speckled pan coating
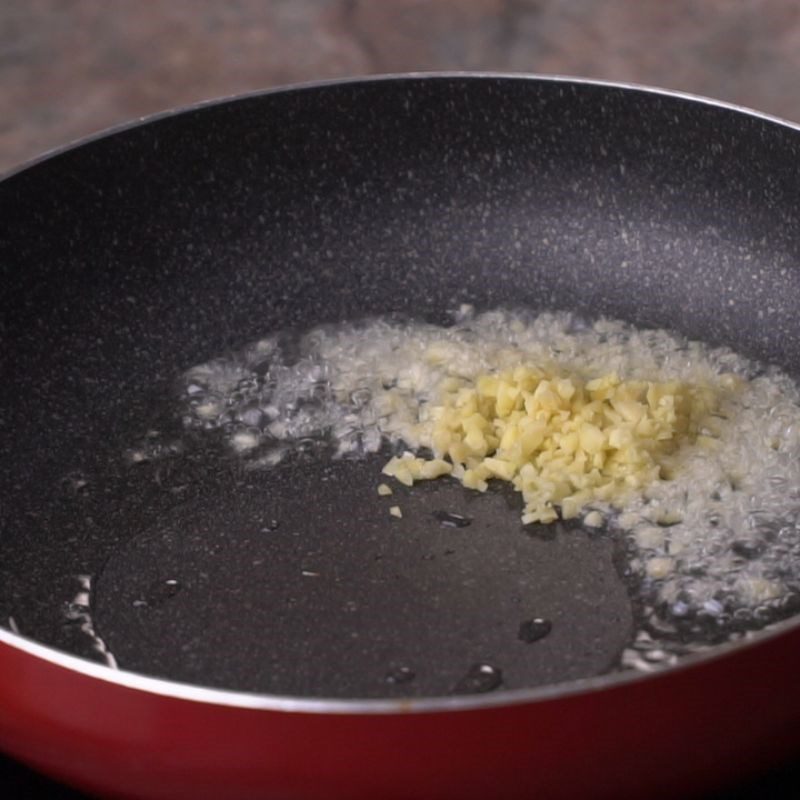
139 254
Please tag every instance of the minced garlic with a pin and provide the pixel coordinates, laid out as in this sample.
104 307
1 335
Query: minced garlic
562 441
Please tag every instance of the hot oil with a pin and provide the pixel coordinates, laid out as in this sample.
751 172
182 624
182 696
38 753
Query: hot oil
709 555
78 616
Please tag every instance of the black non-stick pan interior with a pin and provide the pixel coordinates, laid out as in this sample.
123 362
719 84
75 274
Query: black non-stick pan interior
129 259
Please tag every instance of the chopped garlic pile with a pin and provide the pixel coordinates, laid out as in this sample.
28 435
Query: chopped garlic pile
560 440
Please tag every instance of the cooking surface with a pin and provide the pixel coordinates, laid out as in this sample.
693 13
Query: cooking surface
193 259
242 586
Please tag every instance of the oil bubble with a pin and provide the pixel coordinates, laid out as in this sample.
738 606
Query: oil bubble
480 678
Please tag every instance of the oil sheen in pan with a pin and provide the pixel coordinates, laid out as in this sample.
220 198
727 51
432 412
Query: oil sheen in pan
340 600
725 541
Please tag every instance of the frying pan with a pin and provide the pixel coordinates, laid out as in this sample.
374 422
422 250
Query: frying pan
182 627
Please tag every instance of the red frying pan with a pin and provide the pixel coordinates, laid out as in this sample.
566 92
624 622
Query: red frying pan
175 625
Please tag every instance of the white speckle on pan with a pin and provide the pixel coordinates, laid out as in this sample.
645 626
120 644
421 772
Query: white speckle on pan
245 440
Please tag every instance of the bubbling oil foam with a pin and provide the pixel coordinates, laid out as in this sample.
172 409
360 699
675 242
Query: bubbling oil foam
712 552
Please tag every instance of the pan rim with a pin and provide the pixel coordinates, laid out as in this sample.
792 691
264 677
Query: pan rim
382 706
388 77
255 701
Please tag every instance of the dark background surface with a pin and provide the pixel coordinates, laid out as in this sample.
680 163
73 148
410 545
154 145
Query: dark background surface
70 68
19 781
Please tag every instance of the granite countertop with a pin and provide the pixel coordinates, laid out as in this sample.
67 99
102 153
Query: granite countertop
71 68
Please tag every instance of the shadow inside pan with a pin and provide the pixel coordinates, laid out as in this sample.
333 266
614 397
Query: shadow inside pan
297 581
